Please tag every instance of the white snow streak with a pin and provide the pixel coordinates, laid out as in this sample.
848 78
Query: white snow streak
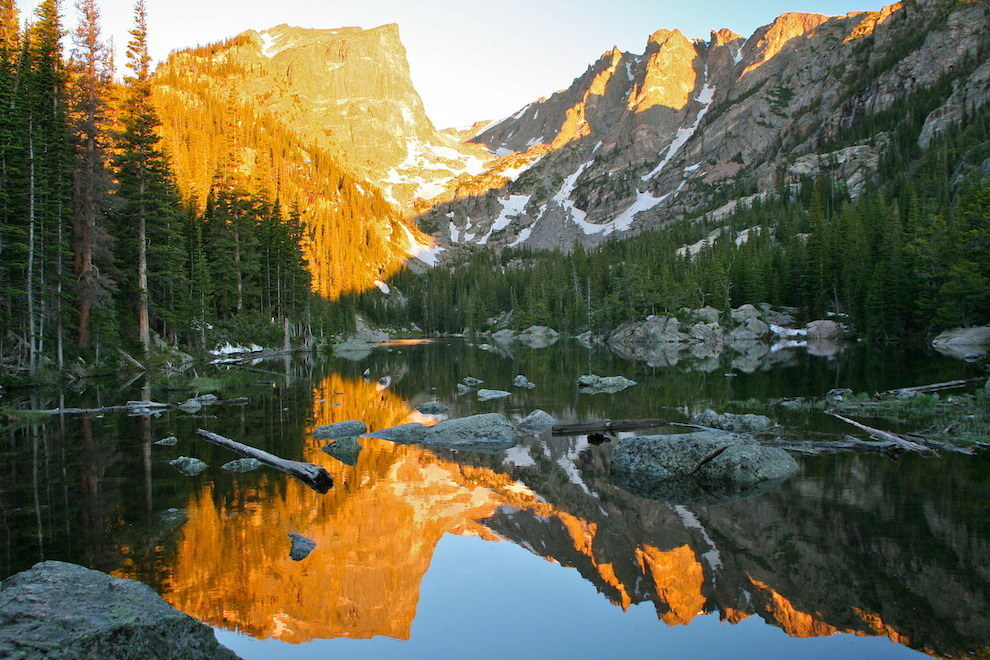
515 205
705 97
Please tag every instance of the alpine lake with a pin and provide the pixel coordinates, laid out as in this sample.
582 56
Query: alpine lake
530 552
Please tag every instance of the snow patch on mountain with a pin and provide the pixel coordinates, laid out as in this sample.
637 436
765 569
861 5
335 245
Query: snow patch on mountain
513 206
705 98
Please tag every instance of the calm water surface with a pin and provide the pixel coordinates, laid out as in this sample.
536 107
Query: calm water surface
525 553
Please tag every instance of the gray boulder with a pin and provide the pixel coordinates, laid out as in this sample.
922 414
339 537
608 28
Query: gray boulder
487 395
745 313
522 381
654 330
707 314
504 336
404 434
538 336
698 468
463 389
191 406
61 610
470 381
962 343
349 429
301 546
818 330
352 349
538 420
709 334
242 465
490 432
345 450
432 408
188 466
170 441
836 396
752 329
730 422
592 384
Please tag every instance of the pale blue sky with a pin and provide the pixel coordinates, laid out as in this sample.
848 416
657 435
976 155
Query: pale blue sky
470 59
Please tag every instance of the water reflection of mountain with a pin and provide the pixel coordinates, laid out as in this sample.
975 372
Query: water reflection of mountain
855 544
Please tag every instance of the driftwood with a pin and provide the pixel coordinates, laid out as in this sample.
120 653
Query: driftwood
130 360
312 475
607 425
902 442
935 387
827 446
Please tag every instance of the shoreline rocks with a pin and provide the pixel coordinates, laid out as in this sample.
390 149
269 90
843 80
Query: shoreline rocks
964 343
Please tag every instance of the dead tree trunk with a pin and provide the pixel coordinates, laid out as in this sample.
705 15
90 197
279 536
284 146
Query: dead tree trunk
312 475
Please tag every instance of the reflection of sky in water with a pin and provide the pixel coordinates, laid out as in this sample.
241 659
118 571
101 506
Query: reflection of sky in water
495 600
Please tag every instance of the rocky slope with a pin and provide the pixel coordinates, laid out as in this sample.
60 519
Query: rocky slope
690 127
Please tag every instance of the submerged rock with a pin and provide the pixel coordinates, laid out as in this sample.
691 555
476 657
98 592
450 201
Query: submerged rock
301 546
242 465
463 389
349 429
490 432
191 406
700 468
522 381
730 422
487 395
63 610
188 466
593 384
472 382
345 450
538 420
170 441
433 408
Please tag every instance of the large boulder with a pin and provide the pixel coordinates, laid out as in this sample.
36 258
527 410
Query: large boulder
698 468
488 395
352 349
504 336
964 343
654 330
522 381
730 422
819 330
490 432
752 329
345 450
707 314
709 334
538 336
349 429
67 611
745 313
592 384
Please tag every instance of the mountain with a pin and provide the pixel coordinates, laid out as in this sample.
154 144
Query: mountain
327 120
694 127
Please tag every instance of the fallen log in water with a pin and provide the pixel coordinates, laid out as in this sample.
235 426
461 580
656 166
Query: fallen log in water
607 425
312 475
935 387
828 446
904 443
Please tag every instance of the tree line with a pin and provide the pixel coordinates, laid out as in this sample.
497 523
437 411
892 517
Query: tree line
98 250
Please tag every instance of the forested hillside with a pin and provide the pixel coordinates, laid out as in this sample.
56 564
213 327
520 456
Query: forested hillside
98 252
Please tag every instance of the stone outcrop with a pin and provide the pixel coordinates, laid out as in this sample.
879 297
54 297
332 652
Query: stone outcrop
67 611
702 467
964 343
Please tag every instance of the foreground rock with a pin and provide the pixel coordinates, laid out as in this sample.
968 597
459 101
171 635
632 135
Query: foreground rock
301 547
345 450
592 384
488 395
349 429
432 408
964 343
538 420
730 422
67 611
188 466
485 433
698 468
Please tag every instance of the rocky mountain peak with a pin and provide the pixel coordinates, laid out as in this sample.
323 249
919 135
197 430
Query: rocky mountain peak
722 37
771 39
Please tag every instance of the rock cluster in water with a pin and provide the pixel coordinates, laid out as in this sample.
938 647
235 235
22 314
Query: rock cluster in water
485 433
